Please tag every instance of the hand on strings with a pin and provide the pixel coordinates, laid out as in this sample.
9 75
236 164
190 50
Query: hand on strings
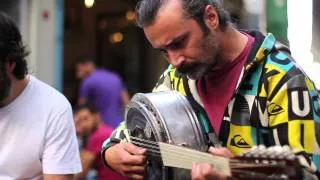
208 171
127 159
224 152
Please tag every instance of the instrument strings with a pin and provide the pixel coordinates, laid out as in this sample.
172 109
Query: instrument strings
151 146
153 149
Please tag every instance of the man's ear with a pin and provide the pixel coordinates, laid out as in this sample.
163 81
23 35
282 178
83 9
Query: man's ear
211 18
10 65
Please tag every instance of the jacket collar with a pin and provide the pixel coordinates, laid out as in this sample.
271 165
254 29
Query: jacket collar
261 47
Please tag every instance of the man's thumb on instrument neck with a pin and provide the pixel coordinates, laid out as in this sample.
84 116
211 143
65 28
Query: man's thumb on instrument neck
221 152
134 149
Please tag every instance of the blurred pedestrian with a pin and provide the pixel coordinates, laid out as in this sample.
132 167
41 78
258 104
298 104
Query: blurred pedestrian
37 133
103 89
88 124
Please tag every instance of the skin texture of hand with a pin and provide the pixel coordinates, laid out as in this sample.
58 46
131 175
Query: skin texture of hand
224 152
127 159
208 171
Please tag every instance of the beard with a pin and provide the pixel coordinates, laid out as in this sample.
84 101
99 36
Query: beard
198 68
195 70
5 85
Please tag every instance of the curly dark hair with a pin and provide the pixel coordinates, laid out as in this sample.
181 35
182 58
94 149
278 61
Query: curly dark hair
147 10
12 49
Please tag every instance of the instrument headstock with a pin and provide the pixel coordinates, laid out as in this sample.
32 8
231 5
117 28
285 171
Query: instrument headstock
276 162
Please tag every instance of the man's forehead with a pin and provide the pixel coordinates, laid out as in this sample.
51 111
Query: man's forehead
160 40
170 7
83 111
167 25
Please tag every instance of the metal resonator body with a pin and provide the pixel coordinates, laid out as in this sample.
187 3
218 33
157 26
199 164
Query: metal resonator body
164 117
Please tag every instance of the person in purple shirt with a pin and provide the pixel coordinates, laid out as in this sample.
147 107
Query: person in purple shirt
103 89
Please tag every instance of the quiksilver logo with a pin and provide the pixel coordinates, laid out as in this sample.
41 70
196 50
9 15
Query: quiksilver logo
239 142
274 109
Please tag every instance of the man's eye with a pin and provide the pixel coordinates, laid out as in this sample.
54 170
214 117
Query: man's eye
163 51
176 45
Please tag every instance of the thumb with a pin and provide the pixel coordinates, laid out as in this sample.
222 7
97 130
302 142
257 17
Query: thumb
133 149
221 152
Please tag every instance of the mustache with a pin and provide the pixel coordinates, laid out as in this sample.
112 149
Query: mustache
185 68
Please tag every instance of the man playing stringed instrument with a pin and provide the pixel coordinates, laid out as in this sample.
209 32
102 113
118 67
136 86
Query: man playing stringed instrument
244 85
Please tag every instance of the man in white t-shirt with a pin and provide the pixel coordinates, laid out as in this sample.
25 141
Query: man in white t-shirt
37 133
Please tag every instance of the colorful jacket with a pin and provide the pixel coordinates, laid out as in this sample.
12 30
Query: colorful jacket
275 103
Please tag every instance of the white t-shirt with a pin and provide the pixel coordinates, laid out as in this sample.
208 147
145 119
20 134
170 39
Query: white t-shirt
37 134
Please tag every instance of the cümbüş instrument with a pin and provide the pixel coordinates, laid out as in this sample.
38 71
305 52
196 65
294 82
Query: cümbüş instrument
165 124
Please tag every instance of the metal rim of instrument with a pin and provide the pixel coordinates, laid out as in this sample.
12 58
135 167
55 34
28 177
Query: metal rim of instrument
165 116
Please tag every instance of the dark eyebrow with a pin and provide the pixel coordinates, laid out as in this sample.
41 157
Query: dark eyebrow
174 41
177 39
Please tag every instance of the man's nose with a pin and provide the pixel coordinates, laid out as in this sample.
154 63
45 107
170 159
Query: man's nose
175 59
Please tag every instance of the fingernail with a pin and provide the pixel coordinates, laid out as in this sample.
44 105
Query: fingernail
142 151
